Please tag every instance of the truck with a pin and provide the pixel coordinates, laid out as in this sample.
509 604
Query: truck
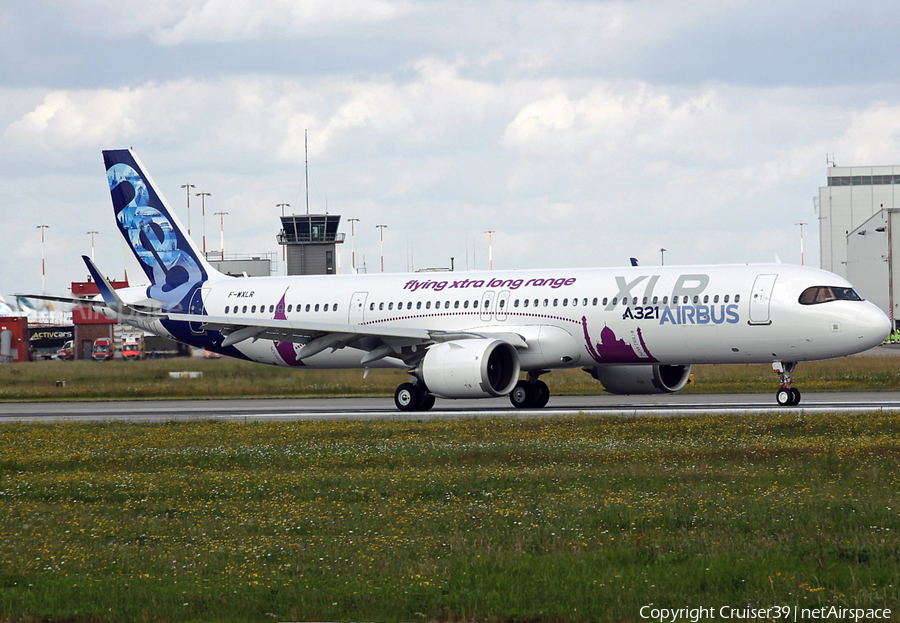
132 347
103 350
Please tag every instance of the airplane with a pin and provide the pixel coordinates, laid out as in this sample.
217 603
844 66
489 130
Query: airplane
635 329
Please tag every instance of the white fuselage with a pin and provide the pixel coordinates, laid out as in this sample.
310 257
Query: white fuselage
567 317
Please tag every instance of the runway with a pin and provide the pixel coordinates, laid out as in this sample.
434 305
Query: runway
383 408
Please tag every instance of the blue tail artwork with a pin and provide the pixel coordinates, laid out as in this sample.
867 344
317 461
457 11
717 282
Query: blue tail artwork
169 259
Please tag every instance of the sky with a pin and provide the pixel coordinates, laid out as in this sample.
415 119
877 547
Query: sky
584 133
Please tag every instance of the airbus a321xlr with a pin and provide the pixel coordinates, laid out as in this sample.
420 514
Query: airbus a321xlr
637 330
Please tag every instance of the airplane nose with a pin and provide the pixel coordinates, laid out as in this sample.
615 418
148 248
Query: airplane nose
872 326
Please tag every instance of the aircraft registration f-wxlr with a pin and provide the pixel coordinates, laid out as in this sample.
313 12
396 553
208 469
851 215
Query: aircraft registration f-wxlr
637 330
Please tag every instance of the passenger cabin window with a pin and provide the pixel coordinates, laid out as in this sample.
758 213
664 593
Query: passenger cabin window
737 298
226 309
253 309
290 308
824 294
317 307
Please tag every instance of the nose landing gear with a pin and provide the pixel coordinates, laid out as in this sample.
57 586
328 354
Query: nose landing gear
786 396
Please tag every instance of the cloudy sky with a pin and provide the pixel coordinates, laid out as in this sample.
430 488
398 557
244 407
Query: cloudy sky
583 132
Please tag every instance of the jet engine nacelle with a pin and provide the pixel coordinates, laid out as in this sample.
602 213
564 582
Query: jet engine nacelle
643 379
476 368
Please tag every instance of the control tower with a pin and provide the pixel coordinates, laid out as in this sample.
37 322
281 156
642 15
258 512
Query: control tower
310 241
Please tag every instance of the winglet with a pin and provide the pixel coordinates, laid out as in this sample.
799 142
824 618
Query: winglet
109 295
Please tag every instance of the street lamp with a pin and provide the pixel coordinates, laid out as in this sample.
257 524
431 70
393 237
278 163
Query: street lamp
221 216
352 222
801 241
662 257
490 233
203 197
381 227
188 188
92 232
43 263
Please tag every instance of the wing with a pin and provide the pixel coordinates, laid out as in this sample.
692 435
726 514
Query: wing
406 345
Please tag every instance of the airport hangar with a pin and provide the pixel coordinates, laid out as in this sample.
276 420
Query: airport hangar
859 231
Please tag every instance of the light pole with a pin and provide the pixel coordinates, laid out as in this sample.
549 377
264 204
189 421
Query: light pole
92 232
352 222
490 233
43 263
381 227
188 187
662 257
284 246
203 197
801 241
221 216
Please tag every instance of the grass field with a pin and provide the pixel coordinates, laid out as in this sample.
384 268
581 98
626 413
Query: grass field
149 379
559 519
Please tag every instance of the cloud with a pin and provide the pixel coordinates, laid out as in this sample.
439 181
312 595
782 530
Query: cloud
225 21
873 136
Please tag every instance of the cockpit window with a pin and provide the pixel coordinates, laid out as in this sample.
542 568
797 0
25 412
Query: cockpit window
824 294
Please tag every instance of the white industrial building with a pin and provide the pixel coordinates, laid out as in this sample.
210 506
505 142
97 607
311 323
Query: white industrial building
859 230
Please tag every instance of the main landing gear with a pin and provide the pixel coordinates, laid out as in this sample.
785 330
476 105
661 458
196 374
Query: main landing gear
532 393
786 396
413 397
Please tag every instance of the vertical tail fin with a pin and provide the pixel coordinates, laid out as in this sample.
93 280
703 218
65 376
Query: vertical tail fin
171 261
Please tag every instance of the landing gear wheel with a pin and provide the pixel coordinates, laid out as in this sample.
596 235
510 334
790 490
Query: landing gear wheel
542 394
795 393
523 395
407 397
427 401
785 397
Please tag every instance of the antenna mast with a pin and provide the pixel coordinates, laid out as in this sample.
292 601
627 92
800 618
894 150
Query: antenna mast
306 160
